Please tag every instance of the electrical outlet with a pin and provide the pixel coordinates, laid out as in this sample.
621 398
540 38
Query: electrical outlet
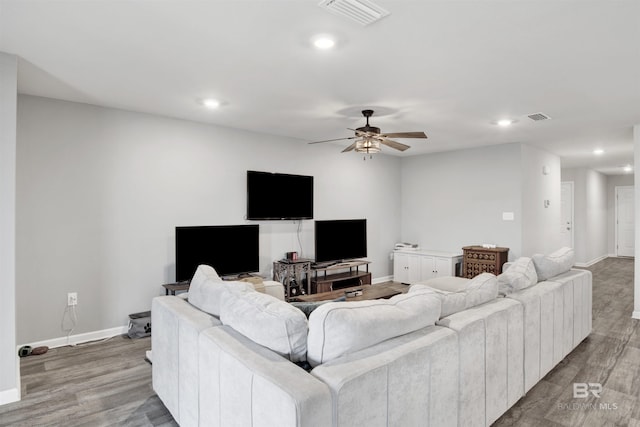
72 298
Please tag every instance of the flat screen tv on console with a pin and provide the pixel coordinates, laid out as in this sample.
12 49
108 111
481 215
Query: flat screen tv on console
230 249
339 240
272 196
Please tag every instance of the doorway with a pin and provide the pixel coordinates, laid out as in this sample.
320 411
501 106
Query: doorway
625 221
566 214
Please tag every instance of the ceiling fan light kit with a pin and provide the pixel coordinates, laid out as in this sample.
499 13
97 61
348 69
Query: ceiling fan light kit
371 138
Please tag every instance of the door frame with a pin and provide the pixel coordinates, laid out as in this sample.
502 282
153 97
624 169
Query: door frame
573 213
615 218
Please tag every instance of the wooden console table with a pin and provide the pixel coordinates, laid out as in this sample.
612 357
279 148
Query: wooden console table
327 281
478 259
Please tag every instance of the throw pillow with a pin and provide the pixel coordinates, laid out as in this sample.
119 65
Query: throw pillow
520 275
205 290
468 292
340 328
558 262
448 283
267 321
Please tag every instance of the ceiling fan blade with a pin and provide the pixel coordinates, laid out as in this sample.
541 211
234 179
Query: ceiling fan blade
350 148
393 144
331 140
405 135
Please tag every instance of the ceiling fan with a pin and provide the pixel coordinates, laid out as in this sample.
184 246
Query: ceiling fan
370 138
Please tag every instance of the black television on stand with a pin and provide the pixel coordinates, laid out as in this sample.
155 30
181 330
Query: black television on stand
340 240
277 196
229 249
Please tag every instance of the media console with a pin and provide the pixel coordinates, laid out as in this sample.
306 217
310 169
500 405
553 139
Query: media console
330 278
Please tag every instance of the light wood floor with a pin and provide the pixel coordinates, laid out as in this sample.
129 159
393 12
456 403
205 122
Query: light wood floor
109 383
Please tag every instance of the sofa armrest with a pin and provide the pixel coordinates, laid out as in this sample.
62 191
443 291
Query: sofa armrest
247 384
273 288
174 342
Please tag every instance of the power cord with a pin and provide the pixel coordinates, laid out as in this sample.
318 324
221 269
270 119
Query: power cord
70 312
299 241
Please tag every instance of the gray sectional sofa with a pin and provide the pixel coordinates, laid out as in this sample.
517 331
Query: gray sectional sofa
450 352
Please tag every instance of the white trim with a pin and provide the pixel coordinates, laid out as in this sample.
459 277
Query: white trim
636 315
590 263
80 338
9 396
381 280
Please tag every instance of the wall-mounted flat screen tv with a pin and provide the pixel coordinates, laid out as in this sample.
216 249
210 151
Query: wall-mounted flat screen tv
229 249
339 240
272 196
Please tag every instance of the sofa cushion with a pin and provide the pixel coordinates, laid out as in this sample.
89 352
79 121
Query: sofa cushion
308 307
205 290
267 321
460 294
558 262
340 328
447 283
520 275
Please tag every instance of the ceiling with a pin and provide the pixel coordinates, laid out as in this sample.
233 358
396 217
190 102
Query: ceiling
450 68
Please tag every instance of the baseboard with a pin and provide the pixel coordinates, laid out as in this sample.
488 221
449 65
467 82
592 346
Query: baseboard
9 396
381 280
80 338
636 315
593 261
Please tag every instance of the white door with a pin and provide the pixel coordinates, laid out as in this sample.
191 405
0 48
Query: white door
400 267
427 267
443 267
566 214
414 269
625 221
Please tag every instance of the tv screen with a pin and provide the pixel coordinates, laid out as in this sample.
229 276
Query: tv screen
230 249
339 240
279 196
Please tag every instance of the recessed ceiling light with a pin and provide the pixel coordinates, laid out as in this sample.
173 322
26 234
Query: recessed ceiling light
323 42
627 168
505 122
598 151
211 103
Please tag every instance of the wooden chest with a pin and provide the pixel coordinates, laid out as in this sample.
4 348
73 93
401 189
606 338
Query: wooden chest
477 260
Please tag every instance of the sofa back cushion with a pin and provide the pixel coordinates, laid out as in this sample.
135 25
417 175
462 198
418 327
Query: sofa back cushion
458 294
267 321
520 275
206 289
340 328
558 262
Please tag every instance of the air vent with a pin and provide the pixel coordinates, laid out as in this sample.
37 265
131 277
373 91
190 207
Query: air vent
536 117
362 11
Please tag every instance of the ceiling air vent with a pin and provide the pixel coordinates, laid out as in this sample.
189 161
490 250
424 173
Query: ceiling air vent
363 12
536 117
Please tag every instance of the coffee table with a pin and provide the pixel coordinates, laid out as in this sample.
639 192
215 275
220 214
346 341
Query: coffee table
382 290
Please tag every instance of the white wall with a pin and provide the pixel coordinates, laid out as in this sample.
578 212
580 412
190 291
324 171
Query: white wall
100 192
540 224
590 214
614 181
9 374
455 199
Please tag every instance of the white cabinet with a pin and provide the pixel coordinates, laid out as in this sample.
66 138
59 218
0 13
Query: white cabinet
414 266
406 267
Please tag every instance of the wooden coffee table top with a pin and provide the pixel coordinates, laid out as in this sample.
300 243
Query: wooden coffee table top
381 290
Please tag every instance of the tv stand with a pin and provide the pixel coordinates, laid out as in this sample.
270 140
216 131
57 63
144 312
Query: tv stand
330 278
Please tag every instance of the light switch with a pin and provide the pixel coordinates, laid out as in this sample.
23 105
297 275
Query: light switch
508 216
